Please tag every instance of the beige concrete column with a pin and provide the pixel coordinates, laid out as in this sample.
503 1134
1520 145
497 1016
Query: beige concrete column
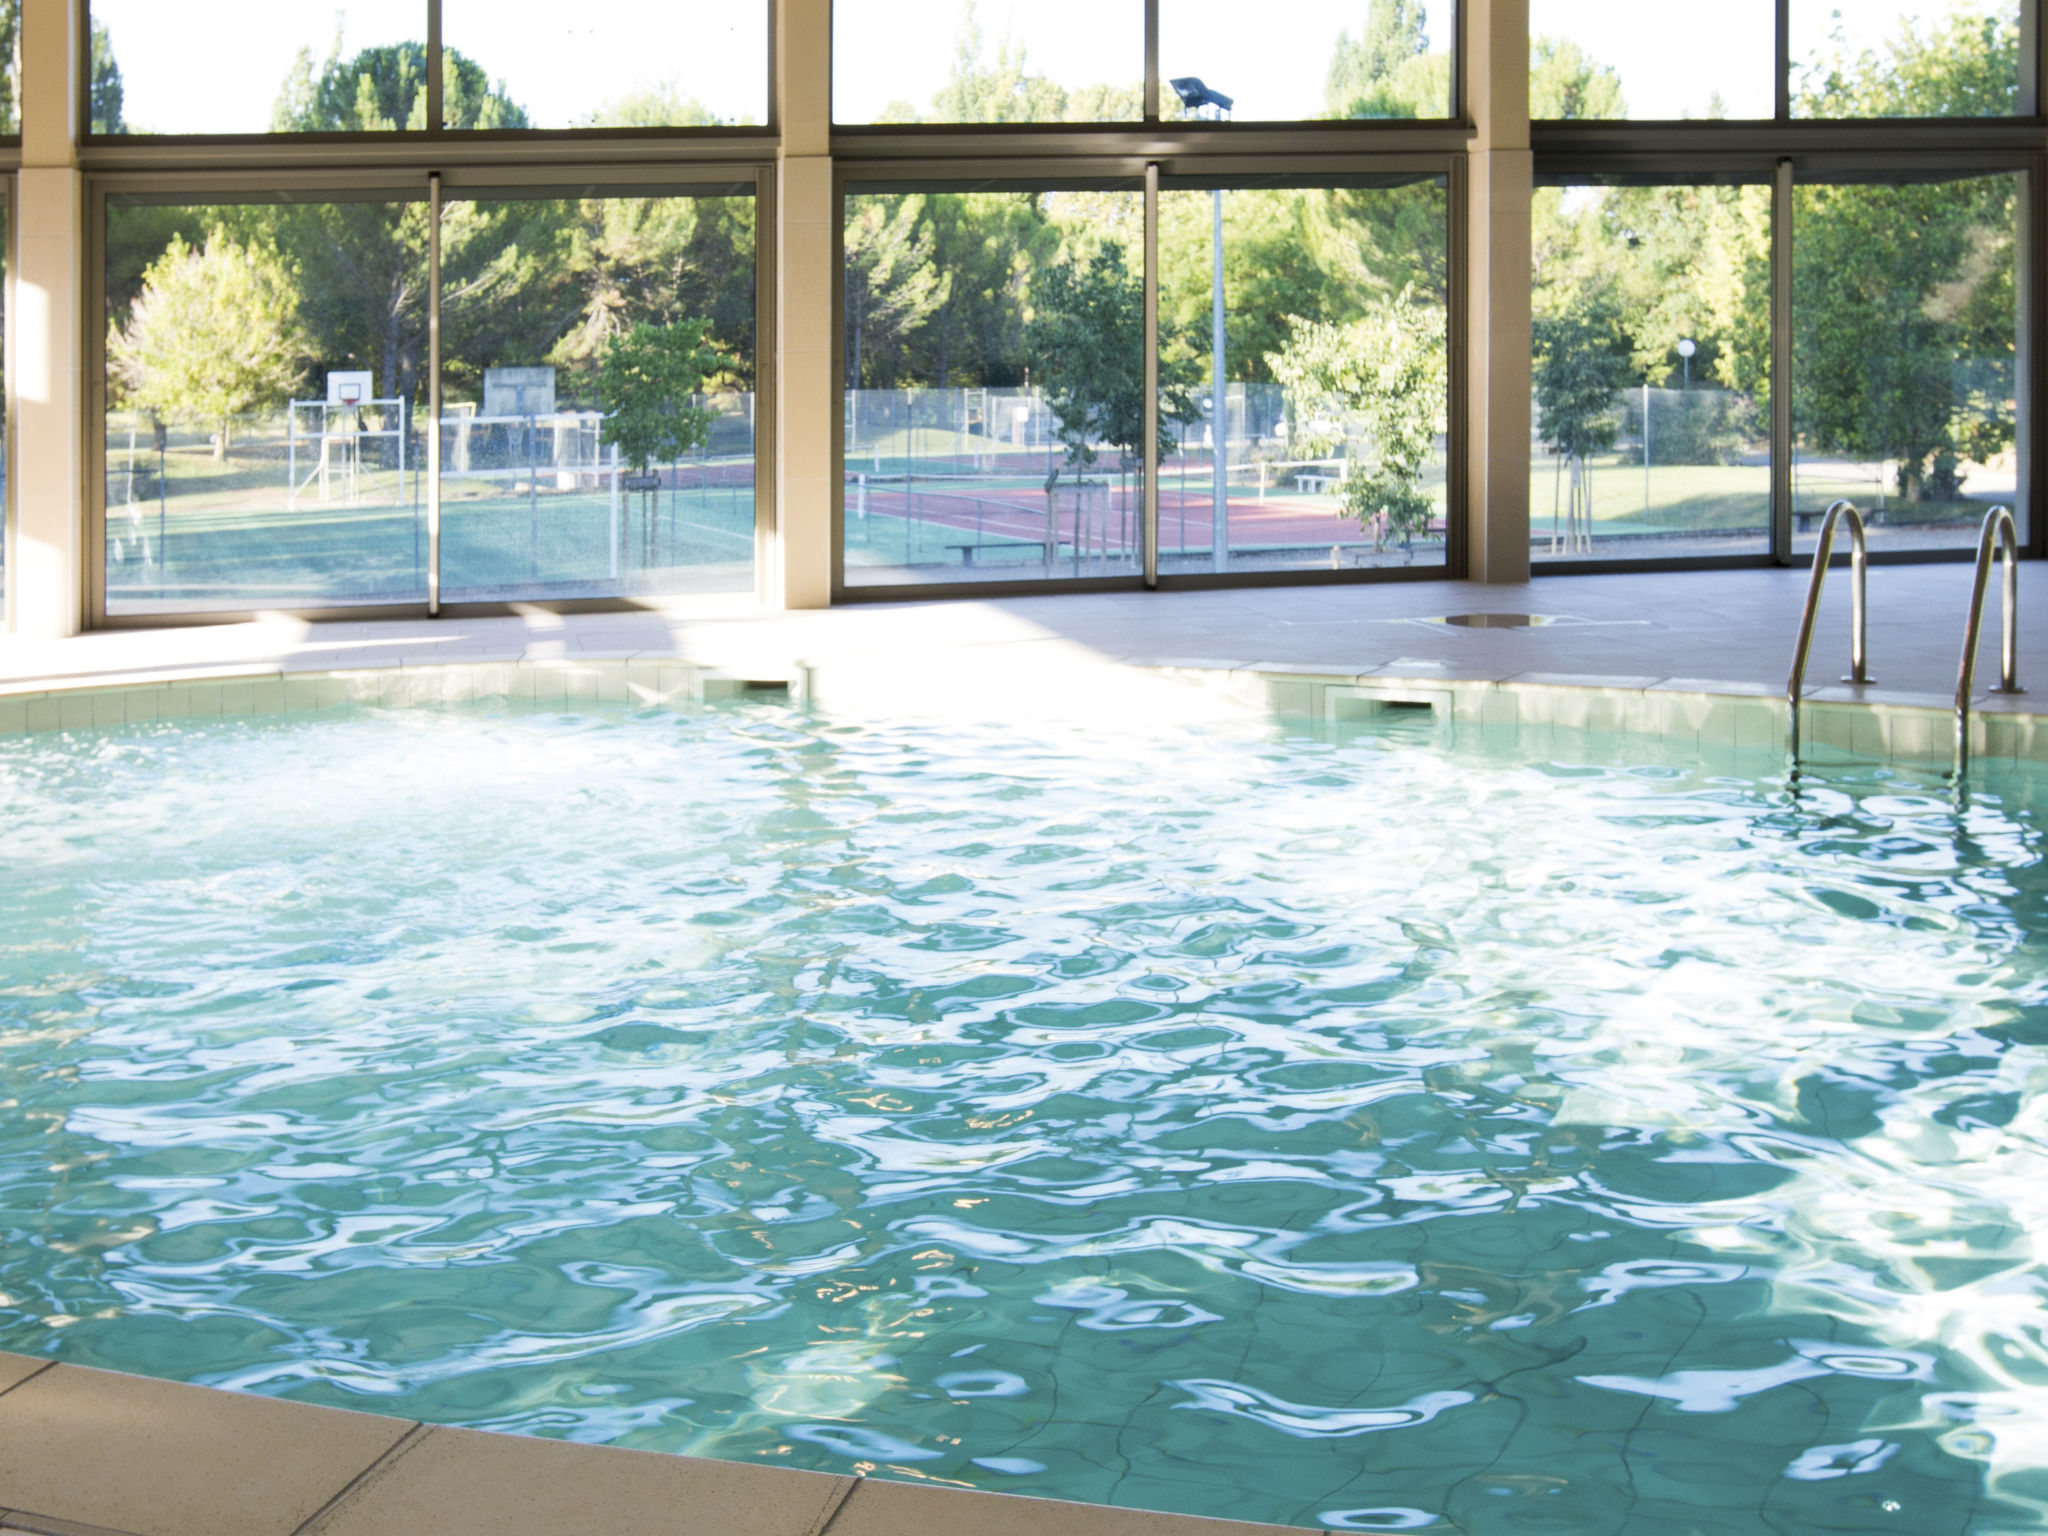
46 558
807 399
1497 346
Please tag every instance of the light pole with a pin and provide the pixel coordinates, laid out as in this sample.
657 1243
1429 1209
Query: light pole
1213 105
1685 350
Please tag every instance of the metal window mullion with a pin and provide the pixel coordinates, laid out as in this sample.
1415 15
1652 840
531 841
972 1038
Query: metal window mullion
1782 48
2030 58
437 106
1782 363
1151 106
1149 459
434 395
2032 359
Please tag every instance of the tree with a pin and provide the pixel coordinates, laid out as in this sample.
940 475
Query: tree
1086 340
384 89
892 287
1905 314
1389 374
1387 70
215 333
1564 83
1003 89
647 383
1582 365
105 95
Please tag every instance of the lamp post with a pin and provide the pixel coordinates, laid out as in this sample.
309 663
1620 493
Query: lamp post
1214 106
1685 350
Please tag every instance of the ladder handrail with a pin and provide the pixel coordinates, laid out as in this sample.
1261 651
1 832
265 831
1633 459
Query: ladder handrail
2001 531
1859 560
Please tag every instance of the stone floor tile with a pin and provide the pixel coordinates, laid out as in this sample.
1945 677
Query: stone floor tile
15 1369
456 1482
134 1454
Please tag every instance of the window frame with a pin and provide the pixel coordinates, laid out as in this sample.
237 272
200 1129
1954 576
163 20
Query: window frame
1152 174
196 187
1782 116
435 137
1345 132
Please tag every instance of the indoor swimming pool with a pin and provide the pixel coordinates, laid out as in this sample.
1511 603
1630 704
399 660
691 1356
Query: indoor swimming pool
1365 1128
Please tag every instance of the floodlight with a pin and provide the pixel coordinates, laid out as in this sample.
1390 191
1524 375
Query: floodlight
1195 96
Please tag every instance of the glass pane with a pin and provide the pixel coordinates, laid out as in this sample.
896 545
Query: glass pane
1621 58
1313 437
265 391
988 61
1651 367
255 66
6 501
1905 337
10 66
994 386
609 63
597 429
1905 58
1311 58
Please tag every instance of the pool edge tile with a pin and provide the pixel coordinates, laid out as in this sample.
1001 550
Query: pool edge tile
132 1453
464 1482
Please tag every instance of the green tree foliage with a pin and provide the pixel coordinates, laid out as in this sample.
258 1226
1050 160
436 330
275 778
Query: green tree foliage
1582 365
893 285
1388 375
1564 83
105 100
215 333
1086 341
1961 64
647 383
987 245
1904 310
10 56
1002 89
1388 70
659 107
384 89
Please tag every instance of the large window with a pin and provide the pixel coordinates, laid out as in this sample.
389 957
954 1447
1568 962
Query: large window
1905 353
1311 58
994 356
1652 332
597 419
613 63
1304 372
256 66
1906 58
988 61
265 383
1620 58
268 439
362 66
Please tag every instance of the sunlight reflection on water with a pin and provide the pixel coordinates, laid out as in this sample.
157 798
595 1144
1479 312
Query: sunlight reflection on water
1373 1130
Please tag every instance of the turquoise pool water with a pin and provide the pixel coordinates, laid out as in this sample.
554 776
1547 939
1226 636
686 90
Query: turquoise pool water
1367 1131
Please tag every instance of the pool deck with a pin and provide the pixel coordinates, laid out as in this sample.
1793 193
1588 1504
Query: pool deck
1692 656
94 1453
1695 656
1731 629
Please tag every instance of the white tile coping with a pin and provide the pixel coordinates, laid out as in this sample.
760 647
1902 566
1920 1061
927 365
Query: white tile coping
97 1453
1035 680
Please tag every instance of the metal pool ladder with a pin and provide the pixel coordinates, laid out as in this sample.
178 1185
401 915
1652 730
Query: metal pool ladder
2000 537
1859 561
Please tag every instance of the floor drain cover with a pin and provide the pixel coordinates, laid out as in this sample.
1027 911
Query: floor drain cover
1498 620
